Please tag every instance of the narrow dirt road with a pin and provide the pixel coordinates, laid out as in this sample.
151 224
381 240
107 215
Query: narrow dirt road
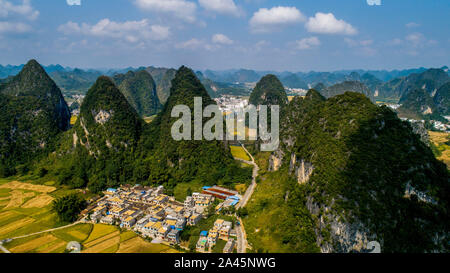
242 243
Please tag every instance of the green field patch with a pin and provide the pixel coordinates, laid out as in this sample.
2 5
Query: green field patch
4 192
49 183
218 248
9 217
181 189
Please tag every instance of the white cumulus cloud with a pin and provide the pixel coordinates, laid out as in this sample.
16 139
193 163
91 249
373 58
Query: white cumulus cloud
8 9
221 6
221 39
326 23
8 27
307 43
183 9
74 2
412 24
270 19
193 43
130 31
374 2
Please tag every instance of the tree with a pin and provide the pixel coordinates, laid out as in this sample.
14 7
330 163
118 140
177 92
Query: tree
242 212
189 191
68 207
42 172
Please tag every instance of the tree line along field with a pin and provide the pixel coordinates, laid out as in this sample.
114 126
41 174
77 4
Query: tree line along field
25 208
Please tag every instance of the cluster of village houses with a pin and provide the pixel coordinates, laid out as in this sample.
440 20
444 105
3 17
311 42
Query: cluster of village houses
151 213
222 231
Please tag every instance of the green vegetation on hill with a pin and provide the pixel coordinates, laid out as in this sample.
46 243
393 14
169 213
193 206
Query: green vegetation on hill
111 145
277 219
33 113
429 80
107 119
294 81
163 78
164 160
99 150
442 99
362 159
75 82
269 91
140 91
419 105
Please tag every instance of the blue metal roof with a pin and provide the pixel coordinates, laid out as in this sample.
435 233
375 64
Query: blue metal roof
206 187
112 189
204 233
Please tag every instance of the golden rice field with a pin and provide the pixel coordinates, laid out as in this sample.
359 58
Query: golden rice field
239 152
94 238
25 208
441 140
73 120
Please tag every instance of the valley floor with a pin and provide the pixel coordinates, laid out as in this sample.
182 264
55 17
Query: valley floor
26 215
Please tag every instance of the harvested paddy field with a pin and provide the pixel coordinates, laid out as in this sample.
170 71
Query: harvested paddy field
39 201
139 245
27 186
441 142
25 209
94 238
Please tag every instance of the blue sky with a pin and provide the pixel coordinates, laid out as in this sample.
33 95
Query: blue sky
294 35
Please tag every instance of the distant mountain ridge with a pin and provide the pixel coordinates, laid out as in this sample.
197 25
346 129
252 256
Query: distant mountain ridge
429 80
341 88
139 89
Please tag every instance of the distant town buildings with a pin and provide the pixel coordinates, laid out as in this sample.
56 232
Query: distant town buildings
296 91
437 125
229 103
